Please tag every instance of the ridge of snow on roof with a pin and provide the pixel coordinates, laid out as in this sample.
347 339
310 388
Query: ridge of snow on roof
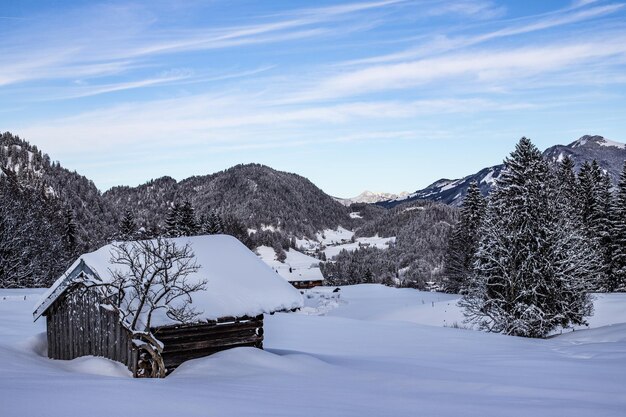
238 282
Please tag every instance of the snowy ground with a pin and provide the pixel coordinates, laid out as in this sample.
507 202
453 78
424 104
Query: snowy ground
371 242
296 267
334 241
376 351
326 237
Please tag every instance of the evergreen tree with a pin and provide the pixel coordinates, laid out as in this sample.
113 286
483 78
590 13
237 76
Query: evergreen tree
187 224
203 224
595 209
617 281
218 223
587 197
212 224
128 227
33 251
603 231
281 256
234 227
368 277
463 243
172 221
69 231
567 189
532 264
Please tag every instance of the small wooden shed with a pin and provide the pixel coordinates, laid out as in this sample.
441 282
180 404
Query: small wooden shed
239 289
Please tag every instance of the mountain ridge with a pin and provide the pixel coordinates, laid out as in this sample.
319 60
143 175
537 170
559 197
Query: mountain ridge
371 197
256 194
610 155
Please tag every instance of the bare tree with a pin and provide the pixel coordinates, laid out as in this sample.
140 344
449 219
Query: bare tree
152 276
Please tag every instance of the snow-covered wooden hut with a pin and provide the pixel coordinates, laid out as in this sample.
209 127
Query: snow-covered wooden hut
237 289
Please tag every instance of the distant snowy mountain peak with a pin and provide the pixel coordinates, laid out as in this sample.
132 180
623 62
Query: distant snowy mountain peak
595 140
371 197
451 191
609 154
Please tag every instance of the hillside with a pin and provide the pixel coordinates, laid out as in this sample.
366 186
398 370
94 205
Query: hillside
95 219
47 215
610 155
412 254
257 195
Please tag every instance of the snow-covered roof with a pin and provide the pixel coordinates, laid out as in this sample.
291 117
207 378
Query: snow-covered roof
238 282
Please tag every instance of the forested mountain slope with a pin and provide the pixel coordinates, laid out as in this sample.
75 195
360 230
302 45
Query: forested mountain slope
93 216
257 195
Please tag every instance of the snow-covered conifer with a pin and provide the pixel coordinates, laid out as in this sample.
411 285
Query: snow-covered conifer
172 221
213 224
69 232
187 224
567 190
463 243
128 227
595 209
532 264
617 280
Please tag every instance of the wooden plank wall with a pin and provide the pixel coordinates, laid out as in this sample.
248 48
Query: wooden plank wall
77 326
184 342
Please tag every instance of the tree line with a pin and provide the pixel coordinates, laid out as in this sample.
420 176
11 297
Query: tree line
526 258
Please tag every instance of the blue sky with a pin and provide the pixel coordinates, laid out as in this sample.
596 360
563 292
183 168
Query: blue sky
385 95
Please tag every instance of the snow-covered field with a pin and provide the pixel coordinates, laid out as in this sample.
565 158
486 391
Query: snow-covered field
376 351
334 241
296 267
370 242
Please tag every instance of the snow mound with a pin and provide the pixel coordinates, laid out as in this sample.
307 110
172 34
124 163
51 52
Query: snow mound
245 362
605 334
37 344
92 365
319 301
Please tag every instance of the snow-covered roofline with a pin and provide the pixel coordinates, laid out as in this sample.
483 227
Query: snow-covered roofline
77 269
238 283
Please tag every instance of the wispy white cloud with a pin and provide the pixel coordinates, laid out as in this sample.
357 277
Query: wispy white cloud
474 8
180 77
88 91
102 40
481 67
582 3
230 121
317 14
443 43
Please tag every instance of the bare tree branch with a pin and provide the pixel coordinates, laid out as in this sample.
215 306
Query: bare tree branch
151 275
